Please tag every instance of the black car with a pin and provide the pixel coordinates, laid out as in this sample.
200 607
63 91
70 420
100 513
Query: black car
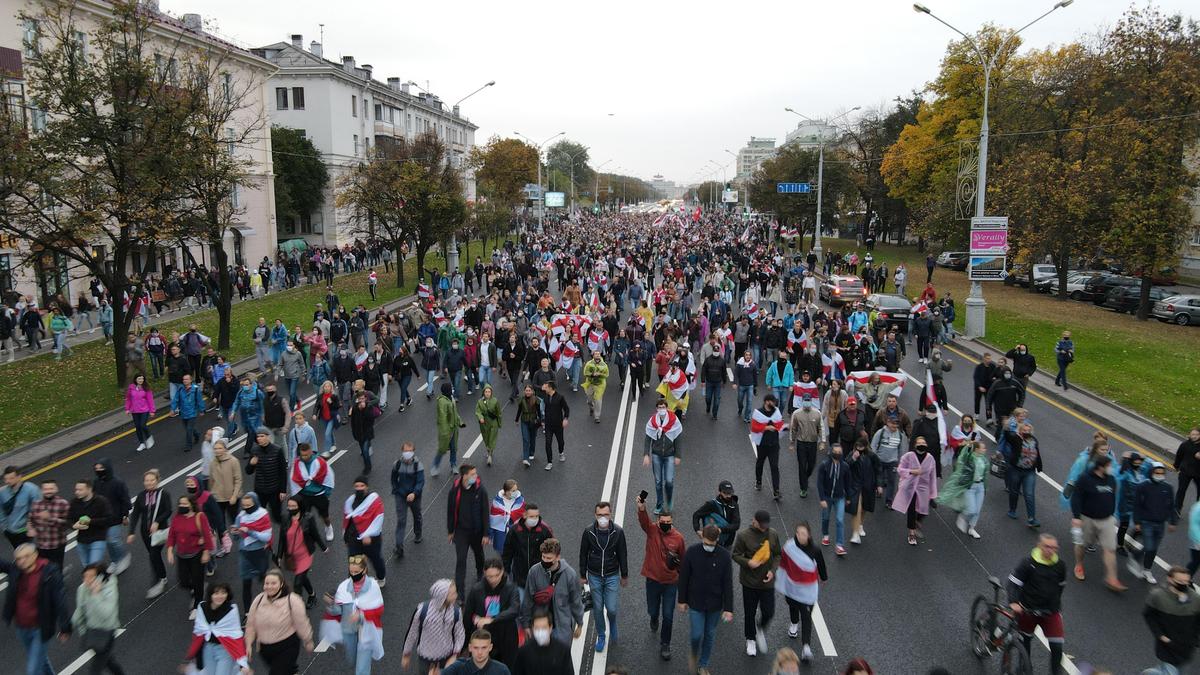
895 309
1097 289
1127 298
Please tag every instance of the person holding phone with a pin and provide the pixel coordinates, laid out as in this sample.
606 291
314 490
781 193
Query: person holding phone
660 566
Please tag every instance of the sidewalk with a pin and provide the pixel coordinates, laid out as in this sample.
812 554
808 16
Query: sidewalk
103 428
1087 404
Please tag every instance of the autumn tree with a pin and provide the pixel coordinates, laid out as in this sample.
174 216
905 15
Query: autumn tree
502 168
94 172
794 164
570 160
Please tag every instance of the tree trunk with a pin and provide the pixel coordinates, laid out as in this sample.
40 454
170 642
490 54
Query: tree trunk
224 292
116 293
399 263
1143 307
421 251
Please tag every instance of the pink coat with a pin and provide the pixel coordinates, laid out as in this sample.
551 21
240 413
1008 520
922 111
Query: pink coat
923 485
139 400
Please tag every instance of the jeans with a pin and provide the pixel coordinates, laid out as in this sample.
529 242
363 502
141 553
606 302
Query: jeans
292 383
574 372
365 448
891 480
157 364
37 661
139 426
528 439
664 480
327 427
430 376
453 452
746 401
712 397
485 375
1152 536
190 434
660 601
703 633
463 540
361 661
115 542
405 398
455 378
403 506
1061 378
1022 482
837 505
384 381
754 600
974 503
604 602
91 552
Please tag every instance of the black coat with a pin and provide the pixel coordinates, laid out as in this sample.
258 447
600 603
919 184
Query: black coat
522 548
1186 462
140 518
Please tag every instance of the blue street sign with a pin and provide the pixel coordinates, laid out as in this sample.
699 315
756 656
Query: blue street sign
793 188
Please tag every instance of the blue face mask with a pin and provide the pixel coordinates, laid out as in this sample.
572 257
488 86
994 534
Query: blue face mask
245 387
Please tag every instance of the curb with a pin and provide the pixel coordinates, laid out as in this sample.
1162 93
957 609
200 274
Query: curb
115 420
970 345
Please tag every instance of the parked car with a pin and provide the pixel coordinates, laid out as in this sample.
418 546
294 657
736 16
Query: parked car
1179 309
1019 274
1075 284
894 309
837 290
955 260
1097 289
1128 298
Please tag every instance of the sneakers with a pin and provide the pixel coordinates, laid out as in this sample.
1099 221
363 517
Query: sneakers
549 465
1012 514
751 648
489 460
192 615
777 496
862 531
382 582
803 494
329 533
599 644
124 564
793 630
825 540
760 640
141 447
562 456
1033 523
1149 577
525 462
806 654
854 539
664 652
1079 573
973 533
150 442
840 550
157 589
1135 568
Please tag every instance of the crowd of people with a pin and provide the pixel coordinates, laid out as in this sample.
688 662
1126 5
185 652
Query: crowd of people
665 306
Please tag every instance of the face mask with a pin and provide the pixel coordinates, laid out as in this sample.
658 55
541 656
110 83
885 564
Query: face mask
294 512
192 490
1008 376
291 348
547 565
1157 478
184 510
360 493
245 387
709 548
921 449
515 494
407 456
1180 588
541 636
469 481
101 473
249 509
358 577
531 522
665 527
602 521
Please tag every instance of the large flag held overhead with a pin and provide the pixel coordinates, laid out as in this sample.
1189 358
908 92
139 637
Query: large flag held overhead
861 377
800 388
833 367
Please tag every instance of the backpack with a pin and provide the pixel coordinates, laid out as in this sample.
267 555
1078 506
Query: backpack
419 619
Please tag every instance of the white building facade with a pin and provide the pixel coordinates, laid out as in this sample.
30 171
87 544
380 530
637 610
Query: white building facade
750 157
345 112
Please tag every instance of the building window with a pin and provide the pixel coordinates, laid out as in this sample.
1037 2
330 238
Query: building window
14 101
306 223
281 98
37 118
6 280
31 38
298 98
364 108
173 71
356 145
353 106
227 87
391 115
80 42
1196 237
378 111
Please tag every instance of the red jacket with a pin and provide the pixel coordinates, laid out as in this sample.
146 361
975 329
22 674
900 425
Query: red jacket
654 565
190 535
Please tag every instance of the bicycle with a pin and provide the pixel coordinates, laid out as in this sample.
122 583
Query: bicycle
994 629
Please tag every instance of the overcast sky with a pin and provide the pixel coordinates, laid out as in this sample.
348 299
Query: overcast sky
657 86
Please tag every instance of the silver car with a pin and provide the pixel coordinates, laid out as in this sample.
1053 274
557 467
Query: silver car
1178 309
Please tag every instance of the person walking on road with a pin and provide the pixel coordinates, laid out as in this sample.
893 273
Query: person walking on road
1093 523
150 519
1172 614
765 425
507 509
97 617
90 516
436 633
493 605
310 482
806 430
487 413
1187 463
918 487
16 501
354 617
408 484
48 523
555 418
714 374
1154 512
706 594
554 586
190 540
1035 594
362 526
37 604
110 486
139 405
746 379
834 485
363 414
802 567
984 375
723 512
448 424
540 655
522 545
1024 464
270 469
595 381
467 518
661 453
253 526
757 551
660 566
225 480
964 491
1064 354
187 403
529 417
298 540
1024 364
603 556
276 620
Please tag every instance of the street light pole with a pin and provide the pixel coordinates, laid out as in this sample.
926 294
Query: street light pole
452 251
816 249
541 192
745 184
596 194
976 325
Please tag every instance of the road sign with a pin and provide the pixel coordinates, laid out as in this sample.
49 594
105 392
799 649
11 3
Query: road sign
986 267
989 223
989 242
729 196
793 188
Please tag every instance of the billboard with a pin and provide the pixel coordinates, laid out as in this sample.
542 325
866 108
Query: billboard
986 267
989 242
729 196
556 199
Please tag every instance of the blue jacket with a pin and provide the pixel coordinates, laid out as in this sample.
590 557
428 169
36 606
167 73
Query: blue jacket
1127 485
773 378
408 478
14 507
249 403
279 337
189 404
1154 502
1194 525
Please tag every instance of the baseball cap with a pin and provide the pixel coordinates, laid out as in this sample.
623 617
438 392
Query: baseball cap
725 487
762 516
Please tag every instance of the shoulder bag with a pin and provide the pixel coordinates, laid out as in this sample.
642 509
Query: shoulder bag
159 537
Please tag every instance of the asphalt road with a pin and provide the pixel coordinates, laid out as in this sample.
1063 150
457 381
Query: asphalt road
902 608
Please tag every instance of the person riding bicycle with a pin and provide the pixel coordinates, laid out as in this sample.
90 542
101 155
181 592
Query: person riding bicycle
1035 594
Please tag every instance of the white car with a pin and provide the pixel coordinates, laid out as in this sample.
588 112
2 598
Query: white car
1075 284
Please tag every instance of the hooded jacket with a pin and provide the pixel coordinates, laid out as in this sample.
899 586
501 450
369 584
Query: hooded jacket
436 631
1179 621
114 490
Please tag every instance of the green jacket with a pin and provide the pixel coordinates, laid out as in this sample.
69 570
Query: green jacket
448 334
745 545
96 611
447 422
489 410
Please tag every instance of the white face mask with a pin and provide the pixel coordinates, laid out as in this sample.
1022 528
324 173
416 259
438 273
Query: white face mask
531 522
602 521
709 547
407 456
541 636
515 494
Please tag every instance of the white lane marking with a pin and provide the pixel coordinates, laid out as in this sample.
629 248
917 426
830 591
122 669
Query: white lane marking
426 385
322 647
85 657
474 446
580 644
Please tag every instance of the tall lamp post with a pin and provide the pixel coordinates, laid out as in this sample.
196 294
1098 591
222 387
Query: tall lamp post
745 185
542 193
452 249
596 194
572 158
976 305
816 249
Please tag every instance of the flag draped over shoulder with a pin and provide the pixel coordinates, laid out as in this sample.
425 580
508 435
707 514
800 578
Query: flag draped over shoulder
761 422
369 604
